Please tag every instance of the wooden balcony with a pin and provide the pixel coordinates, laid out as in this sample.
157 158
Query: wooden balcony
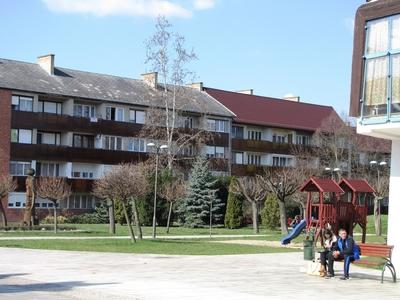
71 154
77 185
266 147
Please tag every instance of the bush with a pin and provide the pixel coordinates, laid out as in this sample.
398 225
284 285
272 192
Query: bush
234 209
99 216
50 220
270 214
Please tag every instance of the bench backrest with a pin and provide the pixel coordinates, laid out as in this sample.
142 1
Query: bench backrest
376 250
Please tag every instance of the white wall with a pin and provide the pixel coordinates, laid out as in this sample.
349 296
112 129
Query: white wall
394 203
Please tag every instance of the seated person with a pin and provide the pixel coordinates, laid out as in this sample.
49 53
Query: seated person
345 249
295 221
329 241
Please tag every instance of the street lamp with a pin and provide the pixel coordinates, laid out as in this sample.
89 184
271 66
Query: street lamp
157 148
332 171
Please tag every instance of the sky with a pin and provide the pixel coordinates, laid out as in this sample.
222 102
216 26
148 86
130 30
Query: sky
302 47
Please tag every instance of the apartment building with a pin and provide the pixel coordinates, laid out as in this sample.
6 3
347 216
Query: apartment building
375 91
265 129
76 124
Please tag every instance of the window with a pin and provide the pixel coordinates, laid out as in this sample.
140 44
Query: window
48 138
303 140
215 152
187 150
137 145
137 116
50 107
112 143
237 132
82 174
254 135
237 158
22 103
83 141
115 113
80 201
278 138
188 122
47 169
279 161
85 111
254 159
23 136
19 168
382 67
217 125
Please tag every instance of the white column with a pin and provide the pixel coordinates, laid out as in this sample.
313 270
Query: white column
394 204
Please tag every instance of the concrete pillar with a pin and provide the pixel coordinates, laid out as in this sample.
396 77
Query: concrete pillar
394 203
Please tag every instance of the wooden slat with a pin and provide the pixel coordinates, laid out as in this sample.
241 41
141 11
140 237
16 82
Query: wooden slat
375 250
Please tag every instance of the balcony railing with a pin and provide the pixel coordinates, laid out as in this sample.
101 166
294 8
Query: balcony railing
71 154
77 185
265 146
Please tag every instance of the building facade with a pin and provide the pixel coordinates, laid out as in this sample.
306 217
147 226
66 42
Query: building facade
375 91
76 124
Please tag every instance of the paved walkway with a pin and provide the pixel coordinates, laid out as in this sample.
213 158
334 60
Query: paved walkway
65 275
163 237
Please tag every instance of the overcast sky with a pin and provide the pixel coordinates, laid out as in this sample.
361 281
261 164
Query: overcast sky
303 47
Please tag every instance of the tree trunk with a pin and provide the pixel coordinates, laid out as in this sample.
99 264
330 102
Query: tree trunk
111 217
3 214
169 216
377 217
137 220
283 217
128 222
55 216
254 209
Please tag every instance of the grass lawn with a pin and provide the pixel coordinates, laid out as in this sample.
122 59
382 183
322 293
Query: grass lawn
171 247
102 230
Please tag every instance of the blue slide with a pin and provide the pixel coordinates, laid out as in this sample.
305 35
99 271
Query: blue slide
294 233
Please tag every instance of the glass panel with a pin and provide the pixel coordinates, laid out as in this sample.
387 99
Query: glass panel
140 117
14 135
25 136
132 116
78 110
395 84
395 34
375 97
377 36
50 107
120 114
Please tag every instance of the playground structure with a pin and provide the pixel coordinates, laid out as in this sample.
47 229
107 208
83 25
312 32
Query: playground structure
342 205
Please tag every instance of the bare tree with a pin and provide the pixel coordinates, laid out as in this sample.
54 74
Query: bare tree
254 191
7 185
123 183
335 142
54 189
167 55
172 192
283 182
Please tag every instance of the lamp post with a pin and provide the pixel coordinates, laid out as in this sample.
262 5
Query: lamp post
332 171
158 148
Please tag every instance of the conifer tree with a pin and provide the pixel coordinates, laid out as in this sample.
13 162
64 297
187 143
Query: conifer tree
201 194
234 208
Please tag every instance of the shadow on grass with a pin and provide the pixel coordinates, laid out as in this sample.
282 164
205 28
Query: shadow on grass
50 286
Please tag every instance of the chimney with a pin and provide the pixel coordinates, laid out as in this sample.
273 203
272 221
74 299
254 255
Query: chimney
196 85
46 62
247 92
291 97
150 79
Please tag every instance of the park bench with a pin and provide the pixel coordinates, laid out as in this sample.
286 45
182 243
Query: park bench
382 252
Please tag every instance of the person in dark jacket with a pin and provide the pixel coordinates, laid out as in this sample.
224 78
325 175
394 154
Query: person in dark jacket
343 249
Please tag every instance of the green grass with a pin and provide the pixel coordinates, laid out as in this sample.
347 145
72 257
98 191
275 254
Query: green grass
171 247
102 230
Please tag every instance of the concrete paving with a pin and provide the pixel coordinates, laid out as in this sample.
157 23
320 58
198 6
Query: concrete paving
59 275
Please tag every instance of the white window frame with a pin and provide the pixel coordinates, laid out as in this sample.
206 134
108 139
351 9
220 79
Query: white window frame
24 168
16 102
20 135
112 142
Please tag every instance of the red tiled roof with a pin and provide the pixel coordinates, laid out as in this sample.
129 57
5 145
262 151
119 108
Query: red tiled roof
266 111
321 185
356 185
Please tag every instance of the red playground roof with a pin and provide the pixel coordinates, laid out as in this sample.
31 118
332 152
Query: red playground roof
356 185
324 185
